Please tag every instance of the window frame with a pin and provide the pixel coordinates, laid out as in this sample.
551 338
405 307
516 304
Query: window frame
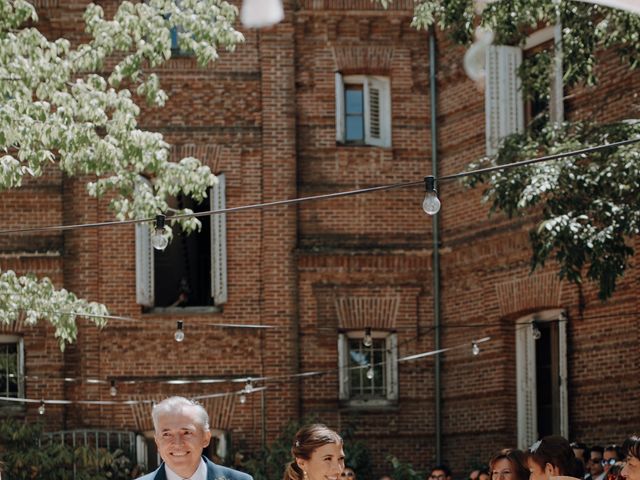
526 394
15 407
145 270
390 364
370 84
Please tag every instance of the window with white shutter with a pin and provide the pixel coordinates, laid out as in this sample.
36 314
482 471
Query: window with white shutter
368 374
541 376
363 110
192 271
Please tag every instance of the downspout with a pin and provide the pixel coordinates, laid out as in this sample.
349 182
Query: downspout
436 243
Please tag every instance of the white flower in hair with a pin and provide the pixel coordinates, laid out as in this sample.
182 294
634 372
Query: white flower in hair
535 446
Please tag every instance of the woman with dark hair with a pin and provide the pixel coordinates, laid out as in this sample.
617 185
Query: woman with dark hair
631 453
317 454
551 456
508 464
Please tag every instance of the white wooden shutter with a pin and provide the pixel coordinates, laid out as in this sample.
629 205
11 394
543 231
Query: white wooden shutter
344 374
218 243
556 95
144 266
526 386
377 112
504 105
391 359
340 109
562 365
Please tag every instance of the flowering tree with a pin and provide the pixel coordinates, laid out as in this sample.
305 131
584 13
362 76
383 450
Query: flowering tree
589 205
57 105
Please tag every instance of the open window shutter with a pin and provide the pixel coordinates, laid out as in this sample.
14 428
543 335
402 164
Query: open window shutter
392 366
504 105
340 126
556 100
377 111
344 374
564 397
144 266
526 386
219 243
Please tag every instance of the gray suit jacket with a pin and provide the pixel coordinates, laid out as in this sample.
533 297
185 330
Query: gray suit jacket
214 472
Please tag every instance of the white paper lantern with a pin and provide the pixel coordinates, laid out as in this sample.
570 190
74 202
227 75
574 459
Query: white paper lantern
261 13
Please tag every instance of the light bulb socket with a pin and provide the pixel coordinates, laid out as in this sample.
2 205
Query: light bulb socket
160 222
41 408
430 184
179 325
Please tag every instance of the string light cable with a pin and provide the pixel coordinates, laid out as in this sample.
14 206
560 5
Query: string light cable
246 380
292 201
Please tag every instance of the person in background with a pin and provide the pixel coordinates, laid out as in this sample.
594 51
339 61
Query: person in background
551 456
631 452
440 472
474 474
348 473
317 454
594 466
610 456
181 433
508 464
484 474
582 453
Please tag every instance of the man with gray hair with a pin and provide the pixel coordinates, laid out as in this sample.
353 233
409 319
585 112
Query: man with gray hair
181 433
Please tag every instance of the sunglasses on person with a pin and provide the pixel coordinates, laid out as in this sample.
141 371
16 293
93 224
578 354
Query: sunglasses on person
611 461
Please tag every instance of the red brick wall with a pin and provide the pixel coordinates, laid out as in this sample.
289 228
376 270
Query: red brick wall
269 107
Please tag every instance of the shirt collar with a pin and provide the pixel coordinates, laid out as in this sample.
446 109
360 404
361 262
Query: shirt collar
200 473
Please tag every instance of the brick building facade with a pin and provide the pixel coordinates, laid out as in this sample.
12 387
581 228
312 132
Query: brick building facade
324 272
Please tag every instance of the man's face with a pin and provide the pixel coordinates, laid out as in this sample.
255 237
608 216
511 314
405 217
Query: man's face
595 467
438 475
180 439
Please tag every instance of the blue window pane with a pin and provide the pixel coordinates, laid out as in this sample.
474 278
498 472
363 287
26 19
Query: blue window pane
355 128
174 38
354 101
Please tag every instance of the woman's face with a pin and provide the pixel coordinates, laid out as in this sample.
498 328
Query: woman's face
502 470
326 463
536 472
631 470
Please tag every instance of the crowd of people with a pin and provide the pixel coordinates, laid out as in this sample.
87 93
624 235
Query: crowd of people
554 456
182 431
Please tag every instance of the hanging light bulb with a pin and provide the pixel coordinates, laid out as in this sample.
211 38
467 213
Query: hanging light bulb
370 372
475 349
243 398
113 391
261 13
179 333
431 203
367 340
535 331
248 388
41 408
158 239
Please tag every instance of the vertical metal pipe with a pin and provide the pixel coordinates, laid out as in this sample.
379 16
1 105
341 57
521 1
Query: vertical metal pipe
436 243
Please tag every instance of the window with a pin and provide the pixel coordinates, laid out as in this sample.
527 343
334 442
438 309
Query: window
357 362
11 370
548 106
363 110
192 270
541 376
505 109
